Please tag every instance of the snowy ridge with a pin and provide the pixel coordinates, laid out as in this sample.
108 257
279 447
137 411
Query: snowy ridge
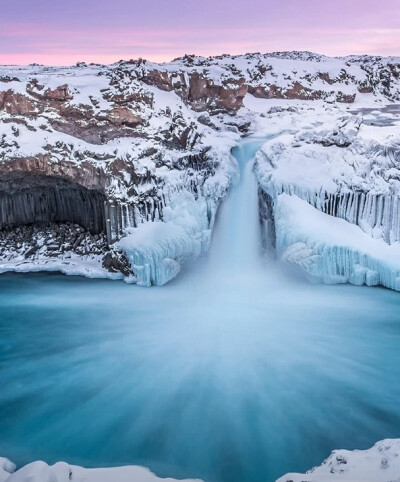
380 463
298 74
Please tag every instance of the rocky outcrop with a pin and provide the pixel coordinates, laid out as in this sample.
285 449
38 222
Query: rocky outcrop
32 242
18 104
116 262
200 92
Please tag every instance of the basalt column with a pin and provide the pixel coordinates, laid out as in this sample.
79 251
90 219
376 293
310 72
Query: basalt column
35 199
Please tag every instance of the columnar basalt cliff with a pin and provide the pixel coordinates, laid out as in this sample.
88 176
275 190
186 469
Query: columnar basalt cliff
113 148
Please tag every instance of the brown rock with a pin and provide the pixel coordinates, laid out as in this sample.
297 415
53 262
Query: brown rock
123 116
18 104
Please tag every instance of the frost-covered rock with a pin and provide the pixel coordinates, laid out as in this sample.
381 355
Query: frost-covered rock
380 463
330 249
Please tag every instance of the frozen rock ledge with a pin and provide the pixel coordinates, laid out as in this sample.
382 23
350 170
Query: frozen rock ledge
332 250
62 472
380 463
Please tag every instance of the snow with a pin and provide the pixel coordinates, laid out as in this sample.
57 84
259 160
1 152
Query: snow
380 463
332 250
157 250
89 266
318 150
340 166
62 472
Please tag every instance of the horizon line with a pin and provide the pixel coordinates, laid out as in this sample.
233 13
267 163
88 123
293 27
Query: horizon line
170 60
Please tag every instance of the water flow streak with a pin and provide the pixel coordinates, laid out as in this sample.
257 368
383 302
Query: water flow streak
236 241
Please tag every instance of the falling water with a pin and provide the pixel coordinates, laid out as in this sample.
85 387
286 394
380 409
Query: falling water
236 241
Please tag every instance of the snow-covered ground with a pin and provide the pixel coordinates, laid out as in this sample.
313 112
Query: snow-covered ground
380 463
62 472
89 265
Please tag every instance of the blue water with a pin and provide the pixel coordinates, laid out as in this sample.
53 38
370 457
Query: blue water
226 375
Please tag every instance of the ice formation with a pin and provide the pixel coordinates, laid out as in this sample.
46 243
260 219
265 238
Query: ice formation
157 249
340 168
330 249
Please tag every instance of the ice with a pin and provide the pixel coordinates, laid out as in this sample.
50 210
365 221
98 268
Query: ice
158 249
332 250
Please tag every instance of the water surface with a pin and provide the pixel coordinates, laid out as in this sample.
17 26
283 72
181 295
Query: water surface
234 372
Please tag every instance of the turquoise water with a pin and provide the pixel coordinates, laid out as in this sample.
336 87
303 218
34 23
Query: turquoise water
225 375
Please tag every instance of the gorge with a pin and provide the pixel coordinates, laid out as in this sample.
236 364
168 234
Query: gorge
227 184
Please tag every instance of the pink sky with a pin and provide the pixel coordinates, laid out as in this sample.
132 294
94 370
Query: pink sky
51 32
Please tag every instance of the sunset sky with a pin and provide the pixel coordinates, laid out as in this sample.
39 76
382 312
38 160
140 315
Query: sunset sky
104 31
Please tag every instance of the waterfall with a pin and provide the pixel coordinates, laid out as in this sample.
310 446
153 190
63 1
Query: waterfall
236 243
158 250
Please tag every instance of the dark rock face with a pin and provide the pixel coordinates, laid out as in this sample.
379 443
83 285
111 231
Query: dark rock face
26 199
116 262
266 213
50 240
297 91
17 104
199 91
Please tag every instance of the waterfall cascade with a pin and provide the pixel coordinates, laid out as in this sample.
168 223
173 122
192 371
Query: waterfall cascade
236 240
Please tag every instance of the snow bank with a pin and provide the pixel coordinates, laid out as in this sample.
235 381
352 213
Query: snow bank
62 472
6 468
89 266
381 463
330 249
